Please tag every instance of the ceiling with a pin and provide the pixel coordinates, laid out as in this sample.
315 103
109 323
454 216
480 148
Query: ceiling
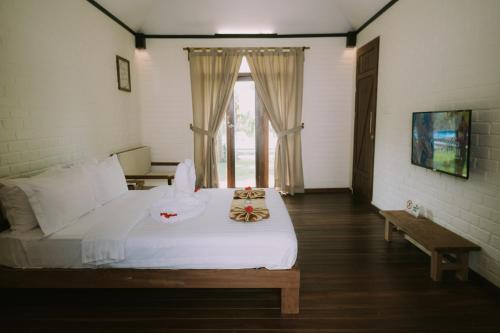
207 17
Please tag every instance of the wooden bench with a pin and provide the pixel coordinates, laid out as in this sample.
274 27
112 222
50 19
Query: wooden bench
448 250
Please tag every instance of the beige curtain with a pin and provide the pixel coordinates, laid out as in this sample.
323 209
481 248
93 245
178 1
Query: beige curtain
213 75
278 74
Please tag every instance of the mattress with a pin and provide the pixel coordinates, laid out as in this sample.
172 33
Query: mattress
209 241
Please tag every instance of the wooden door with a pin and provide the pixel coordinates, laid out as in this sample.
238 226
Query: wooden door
364 123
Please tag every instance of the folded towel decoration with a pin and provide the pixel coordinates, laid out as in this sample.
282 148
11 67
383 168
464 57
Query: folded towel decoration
185 202
185 177
250 194
249 205
241 214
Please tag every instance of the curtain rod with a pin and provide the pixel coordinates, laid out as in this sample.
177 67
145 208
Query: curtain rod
301 126
202 48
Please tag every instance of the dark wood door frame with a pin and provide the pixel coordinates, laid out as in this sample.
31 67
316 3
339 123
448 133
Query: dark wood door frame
365 119
230 158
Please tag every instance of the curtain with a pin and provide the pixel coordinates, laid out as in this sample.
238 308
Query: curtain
213 75
278 74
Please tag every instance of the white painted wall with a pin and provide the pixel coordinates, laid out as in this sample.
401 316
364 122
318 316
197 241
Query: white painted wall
441 55
166 108
58 92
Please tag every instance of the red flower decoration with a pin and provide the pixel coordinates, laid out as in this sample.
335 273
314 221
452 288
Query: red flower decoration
249 209
248 188
167 215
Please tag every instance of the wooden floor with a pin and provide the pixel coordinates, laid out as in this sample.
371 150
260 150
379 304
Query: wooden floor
352 281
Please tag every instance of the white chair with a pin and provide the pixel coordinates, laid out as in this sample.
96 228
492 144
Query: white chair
137 166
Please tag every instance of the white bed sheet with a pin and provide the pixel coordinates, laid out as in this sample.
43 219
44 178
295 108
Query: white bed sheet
210 241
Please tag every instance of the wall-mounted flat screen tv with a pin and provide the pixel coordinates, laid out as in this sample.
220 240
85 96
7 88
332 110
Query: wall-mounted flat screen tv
441 141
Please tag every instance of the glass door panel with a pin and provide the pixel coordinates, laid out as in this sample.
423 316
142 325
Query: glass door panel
221 154
244 134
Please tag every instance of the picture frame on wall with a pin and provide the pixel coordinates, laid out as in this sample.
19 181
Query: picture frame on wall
123 73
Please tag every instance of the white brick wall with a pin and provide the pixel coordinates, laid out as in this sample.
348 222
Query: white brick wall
166 109
58 93
441 55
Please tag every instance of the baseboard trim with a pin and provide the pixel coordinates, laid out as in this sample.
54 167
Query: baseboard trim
376 208
475 276
328 190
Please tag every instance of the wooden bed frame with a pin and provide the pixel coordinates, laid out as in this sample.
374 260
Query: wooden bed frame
286 280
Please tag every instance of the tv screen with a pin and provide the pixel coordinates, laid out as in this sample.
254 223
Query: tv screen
441 141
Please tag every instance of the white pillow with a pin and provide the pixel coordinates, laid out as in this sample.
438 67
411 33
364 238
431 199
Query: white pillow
17 209
108 180
59 198
15 205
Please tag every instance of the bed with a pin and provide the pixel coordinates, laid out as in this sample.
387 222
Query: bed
208 251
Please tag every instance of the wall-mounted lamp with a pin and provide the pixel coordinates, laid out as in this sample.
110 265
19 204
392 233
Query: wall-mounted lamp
350 39
140 41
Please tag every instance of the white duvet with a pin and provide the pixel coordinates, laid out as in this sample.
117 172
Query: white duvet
123 234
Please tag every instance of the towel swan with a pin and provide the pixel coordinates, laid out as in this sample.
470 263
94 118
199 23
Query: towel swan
183 202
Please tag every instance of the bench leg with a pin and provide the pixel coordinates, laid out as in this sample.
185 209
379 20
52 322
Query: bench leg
290 300
436 263
388 231
462 272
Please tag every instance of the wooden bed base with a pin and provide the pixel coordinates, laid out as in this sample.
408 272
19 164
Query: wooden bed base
286 280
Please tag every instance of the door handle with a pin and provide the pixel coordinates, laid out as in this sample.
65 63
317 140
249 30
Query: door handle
371 119
371 125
